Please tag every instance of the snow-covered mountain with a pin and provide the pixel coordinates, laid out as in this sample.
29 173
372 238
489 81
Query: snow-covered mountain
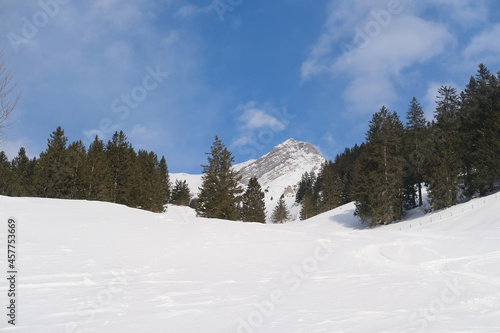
278 172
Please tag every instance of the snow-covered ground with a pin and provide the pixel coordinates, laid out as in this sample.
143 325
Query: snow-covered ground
99 267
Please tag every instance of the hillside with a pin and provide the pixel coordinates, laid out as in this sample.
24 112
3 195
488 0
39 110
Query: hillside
99 267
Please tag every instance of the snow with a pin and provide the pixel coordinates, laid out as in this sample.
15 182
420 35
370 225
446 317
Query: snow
99 267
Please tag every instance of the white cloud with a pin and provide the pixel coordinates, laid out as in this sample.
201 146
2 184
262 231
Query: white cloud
485 47
255 119
371 48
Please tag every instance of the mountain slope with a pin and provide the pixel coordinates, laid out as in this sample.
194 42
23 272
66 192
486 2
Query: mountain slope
99 267
278 172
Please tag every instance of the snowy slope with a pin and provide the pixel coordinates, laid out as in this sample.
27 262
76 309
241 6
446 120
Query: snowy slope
278 172
99 267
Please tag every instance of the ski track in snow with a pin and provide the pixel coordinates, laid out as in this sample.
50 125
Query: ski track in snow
98 267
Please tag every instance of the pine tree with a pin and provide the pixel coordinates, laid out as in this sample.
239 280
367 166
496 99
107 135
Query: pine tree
121 159
308 209
415 151
22 175
479 133
253 206
53 174
380 171
181 195
152 195
331 192
5 174
280 212
220 192
165 180
444 163
97 173
77 159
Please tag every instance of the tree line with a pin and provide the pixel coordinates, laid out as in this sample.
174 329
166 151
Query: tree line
456 156
112 172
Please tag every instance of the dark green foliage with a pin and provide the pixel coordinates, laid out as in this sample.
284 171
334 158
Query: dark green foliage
330 194
165 180
181 195
22 175
115 173
151 195
480 133
444 158
308 209
380 171
53 174
280 212
219 193
77 159
253 206
415 151
5 174
97 172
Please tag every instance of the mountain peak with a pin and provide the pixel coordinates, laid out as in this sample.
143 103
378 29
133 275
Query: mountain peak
288 159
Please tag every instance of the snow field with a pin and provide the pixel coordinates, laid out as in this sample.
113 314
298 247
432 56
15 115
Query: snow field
98 267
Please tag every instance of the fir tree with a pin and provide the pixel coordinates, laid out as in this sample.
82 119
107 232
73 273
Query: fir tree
53 174
331 192
380 171
280 212
308 209
220 192
165 180
415 152
23 174
253 206
121 159
152 195
5 174
97 172
77 159
181 195
444 161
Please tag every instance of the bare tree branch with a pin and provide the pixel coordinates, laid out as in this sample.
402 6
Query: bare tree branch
7 101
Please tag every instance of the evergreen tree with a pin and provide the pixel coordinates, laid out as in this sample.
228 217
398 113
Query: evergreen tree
22 175
253 206
165 180
219 193
380 171
181 195
98 177
121 159
152 195
308 209
5 174
77 159
479 133
415 152
444 161
331 192
53 174
280 212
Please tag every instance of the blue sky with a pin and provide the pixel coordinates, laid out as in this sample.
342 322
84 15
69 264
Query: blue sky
172 74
